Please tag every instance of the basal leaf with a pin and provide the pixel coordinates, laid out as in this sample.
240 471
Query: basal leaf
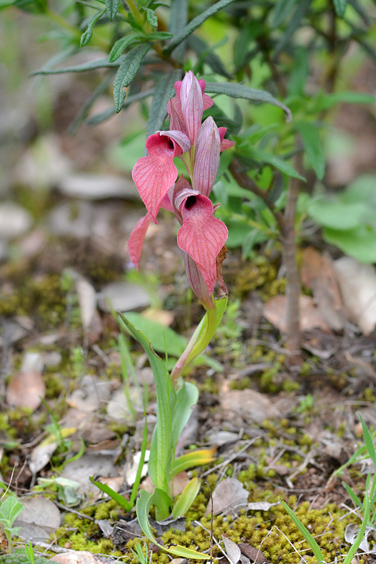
113 495
163 92
10 508
194 24
277 162
166 398
127 71
335 214
340 7
162 338
193 459
241 91
178 20
312 146
186 398
119 46
187 497
88 34
112 7
144 503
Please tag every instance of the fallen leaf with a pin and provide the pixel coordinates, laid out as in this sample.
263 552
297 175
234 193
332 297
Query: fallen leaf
232 550
229 496
41 455
38 520
26 389
253 553
92 393
357 282
351 532
249 404
310 315
318 273
163 317
82 557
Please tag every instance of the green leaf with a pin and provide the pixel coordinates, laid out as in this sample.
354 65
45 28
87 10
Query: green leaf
280 164
112 7
159 36
187 497
194 24
92 65
306 534
178 21
162 338
151 17
241 91
281 12
202 49
336 214
88 34
326 101
106 114
113 495
312 146
126 73
166 398
294 23
84 111
34 6
119 47
340 7
10 508
359 243
140 464
299 73
353 495
350 555
144 503
6 3
368 440
186 398
163 92
193 459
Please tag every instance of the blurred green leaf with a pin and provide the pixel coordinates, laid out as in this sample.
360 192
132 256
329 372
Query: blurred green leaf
120 45
277 162
340 7
127 71
299 72
88 34
359 243
106 114
159 36
246 36
312 146
178 21
187 497
92 65
240 91
34 6
112 7
205 52
163 92
194 24
293 24
6 3
281 12
326 101
84 111
337 214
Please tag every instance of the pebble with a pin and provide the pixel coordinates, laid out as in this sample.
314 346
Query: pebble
123 296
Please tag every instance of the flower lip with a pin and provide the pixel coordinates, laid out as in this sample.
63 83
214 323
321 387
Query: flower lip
190 202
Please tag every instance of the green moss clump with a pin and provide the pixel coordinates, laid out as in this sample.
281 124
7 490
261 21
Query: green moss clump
19 558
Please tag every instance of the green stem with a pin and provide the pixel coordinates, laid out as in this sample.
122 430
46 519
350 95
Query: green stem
135 12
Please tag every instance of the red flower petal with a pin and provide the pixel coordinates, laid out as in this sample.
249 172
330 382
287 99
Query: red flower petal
225 143
136 239
202 236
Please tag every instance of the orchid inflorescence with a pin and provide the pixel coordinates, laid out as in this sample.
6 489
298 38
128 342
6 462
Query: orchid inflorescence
201 236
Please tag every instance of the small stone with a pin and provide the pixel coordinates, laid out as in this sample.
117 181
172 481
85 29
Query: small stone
122 296
98 187
14 221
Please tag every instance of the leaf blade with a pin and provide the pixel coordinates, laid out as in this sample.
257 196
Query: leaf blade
127 71
163 92
241 91
313 147
112 7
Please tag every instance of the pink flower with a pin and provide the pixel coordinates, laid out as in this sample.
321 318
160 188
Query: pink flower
156 173
201 236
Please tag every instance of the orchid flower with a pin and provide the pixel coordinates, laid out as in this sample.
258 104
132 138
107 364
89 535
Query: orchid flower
201 236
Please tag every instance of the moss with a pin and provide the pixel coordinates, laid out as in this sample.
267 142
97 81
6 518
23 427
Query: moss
369 395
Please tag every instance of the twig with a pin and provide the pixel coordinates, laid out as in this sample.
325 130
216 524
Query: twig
248 444
70 510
